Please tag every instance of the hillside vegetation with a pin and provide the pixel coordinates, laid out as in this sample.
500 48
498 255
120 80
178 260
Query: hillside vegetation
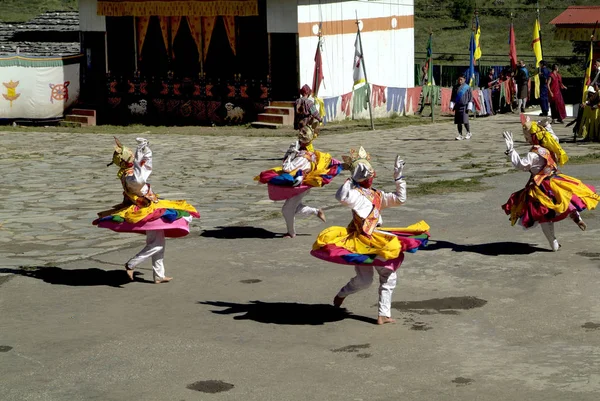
24 10
451 36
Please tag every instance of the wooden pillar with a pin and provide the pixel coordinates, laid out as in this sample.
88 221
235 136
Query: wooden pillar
269 55
135 49
105 52
298 83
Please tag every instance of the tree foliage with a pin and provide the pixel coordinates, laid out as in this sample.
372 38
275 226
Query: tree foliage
462 11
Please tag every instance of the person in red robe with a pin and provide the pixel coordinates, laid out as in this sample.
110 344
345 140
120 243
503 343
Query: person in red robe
557 104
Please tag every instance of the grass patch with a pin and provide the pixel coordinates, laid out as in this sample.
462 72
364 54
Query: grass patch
448 186
590 158
465 156
21 11
472 165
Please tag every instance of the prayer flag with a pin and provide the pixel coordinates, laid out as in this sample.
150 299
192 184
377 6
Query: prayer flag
477 54
359 76
512 52
429 62
536 44
471 72
318 72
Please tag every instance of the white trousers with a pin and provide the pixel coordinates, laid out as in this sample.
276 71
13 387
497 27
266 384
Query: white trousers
155 248
521 103
364 278
294 206
548 230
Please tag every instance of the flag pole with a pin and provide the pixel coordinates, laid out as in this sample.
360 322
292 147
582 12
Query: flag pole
592 81
592 49
362 62
540 25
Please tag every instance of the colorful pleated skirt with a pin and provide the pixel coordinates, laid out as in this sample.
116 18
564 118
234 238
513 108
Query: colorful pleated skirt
280 184
385 247
553 200
173 217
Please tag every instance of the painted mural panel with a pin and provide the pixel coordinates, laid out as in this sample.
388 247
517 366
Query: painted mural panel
37 92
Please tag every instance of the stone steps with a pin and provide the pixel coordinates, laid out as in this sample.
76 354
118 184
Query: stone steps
83 117
277 114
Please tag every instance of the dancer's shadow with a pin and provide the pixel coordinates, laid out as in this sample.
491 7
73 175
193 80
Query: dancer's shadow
489 249
240 232
77 277
288 313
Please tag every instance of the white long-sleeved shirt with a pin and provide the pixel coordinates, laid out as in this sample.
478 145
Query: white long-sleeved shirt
350 196
533 162
297 161
142 168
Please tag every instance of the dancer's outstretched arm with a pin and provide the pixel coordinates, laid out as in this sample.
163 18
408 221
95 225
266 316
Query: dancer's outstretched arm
527 163
399 197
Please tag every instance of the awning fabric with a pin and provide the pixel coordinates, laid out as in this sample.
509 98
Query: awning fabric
177 8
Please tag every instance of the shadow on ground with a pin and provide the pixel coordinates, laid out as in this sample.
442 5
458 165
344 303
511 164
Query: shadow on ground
288 313
240 232
489 249
77 277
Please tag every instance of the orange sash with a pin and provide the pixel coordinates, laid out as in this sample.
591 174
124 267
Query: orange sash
367 226
549 169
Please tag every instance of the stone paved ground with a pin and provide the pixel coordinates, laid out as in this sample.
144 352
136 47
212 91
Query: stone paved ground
485 313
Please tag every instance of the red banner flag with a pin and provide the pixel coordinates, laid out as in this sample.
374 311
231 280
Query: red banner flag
512 52
318 72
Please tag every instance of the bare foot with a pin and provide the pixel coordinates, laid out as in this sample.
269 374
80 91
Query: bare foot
385 319
162 280
337 301
288 235
321 215
581 224
129 272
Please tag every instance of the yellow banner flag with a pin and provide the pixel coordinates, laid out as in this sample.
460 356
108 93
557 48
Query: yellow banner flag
477 54
536 43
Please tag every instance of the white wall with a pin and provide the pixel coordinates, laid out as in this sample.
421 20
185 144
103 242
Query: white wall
388 54
89 20
282 16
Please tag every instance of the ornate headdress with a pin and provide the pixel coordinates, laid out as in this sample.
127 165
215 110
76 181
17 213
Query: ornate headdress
539 135
306 135
122 157
356 158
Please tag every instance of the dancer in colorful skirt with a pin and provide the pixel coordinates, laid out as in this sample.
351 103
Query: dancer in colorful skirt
549 195
143 212
364 243
303 168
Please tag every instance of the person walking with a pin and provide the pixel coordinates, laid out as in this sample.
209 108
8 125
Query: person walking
461 103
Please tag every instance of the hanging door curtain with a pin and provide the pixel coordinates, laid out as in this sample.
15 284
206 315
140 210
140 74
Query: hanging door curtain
177 8
201 28
142 28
